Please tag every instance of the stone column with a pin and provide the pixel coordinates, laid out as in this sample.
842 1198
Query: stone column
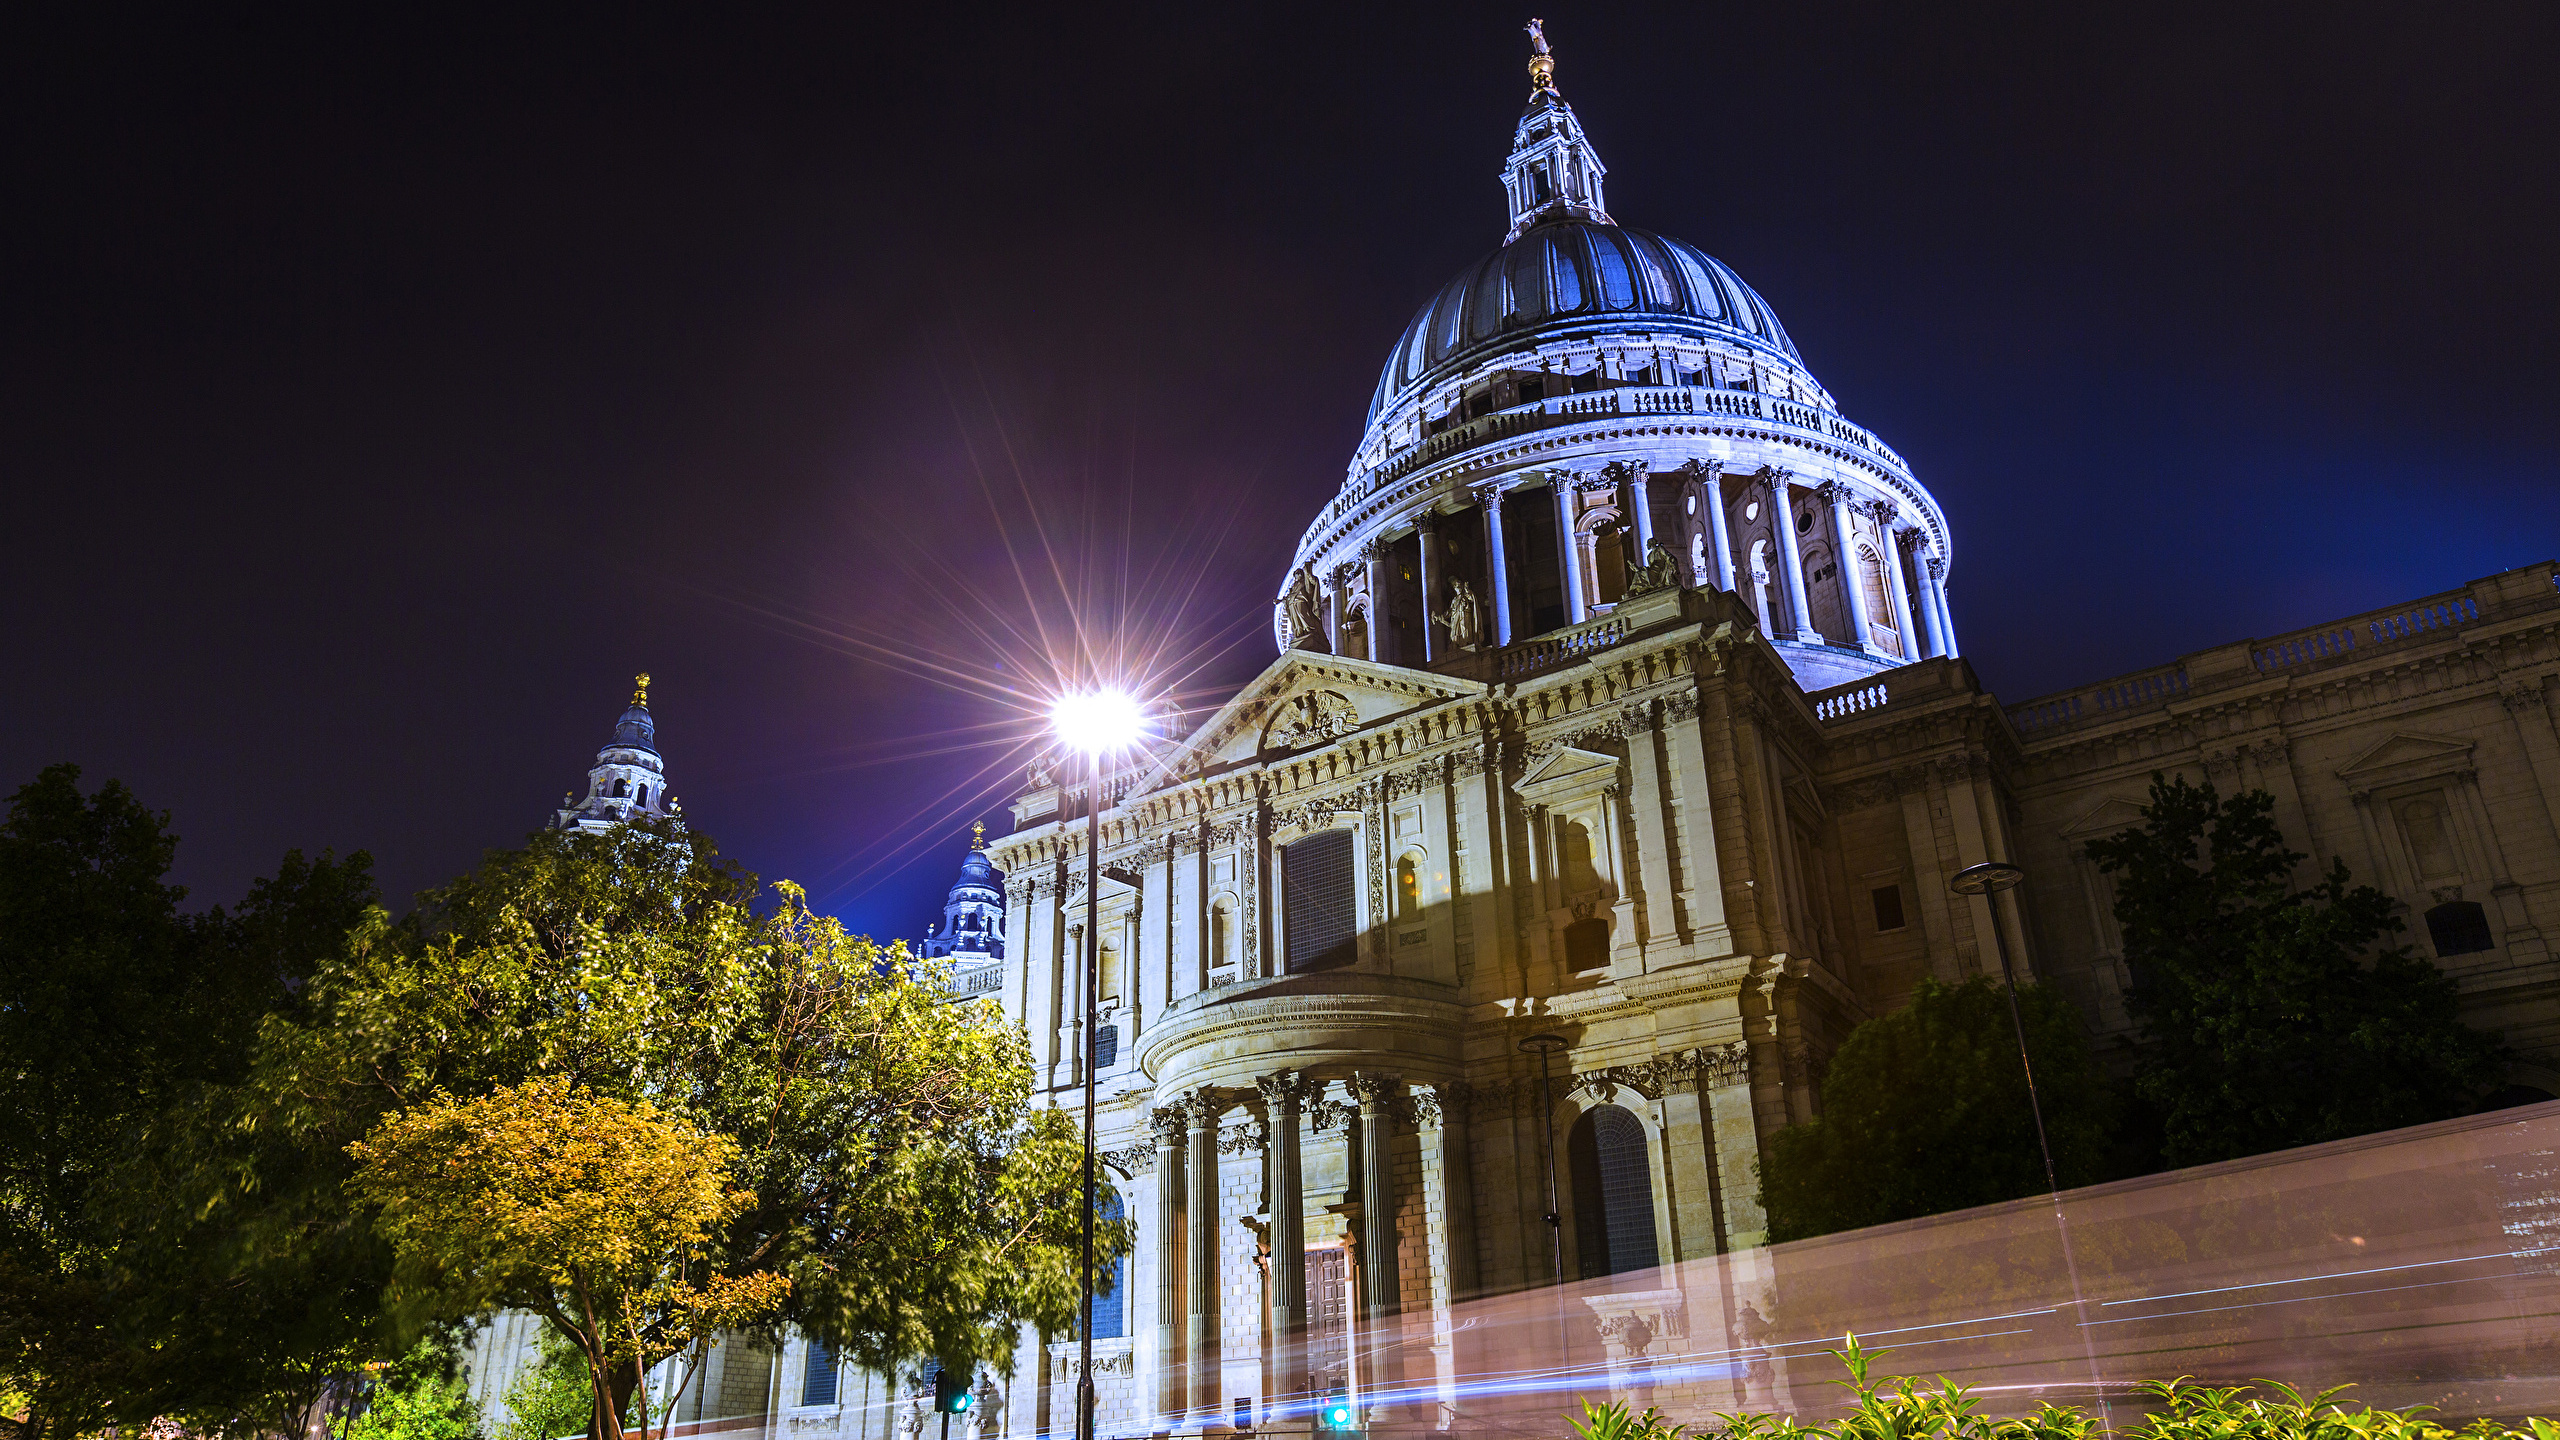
1379 1096
1719 526
1168 1126
1893 582
1688 1157
1638 480
1496 561
1844 558
1200 1347
1937 586
1790 555
1452 1103
1426 571
1381 646
1658 928
1560 485
1282 1093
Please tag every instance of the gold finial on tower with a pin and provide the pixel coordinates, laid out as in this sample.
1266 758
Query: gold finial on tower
978 835
640 690
1542 64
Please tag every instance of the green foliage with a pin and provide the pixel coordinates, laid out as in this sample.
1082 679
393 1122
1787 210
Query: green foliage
2275 1014
898 1175
422 1398
124 1021
551 1397
1925 1110
1904 1409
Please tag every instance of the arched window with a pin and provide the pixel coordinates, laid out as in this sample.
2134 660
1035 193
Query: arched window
1110 977
621 787
1609 561
641 795
1222 932
1612 1193
1409 885
1111 1295
1320 900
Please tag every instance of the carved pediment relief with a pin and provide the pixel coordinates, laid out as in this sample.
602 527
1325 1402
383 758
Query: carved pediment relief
2104 818
1310 717
1306 699
2406 756
1566 773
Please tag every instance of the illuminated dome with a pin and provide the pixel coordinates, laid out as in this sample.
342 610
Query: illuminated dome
1567 275
1592 412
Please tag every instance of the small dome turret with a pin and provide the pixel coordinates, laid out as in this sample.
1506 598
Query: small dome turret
629 779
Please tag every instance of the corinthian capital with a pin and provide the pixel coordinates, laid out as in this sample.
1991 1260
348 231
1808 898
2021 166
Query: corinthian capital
1284 1089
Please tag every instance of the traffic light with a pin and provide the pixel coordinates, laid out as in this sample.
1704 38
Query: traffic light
951 1393
1337 1413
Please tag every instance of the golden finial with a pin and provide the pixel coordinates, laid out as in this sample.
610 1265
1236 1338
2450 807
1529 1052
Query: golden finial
640 690
978 835
1542 65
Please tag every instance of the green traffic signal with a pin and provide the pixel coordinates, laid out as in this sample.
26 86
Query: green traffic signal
951 1393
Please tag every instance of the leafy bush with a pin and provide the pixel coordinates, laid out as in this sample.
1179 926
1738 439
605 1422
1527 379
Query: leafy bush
1899 1408
550 1397
423 1397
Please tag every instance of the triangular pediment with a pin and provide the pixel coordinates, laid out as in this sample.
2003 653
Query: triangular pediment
1566 770
1305 700
2407 752
2106 817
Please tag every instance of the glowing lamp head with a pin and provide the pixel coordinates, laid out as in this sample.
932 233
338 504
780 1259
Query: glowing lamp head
1097 721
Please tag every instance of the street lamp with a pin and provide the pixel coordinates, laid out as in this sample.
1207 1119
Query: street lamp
1098 722
1544 1046
1987 880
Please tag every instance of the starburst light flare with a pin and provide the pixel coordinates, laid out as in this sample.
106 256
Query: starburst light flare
1098 721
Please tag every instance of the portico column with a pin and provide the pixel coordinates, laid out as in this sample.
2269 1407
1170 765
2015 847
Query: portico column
1937 570
1844 564
1200 1331
1167 1123
1282 1093
1378 1096
1560 484
1719 536
1375 553
1497 562
1426 528
1895 586
1790 555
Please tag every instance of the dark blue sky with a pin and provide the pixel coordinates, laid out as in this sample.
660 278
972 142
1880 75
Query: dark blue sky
384 387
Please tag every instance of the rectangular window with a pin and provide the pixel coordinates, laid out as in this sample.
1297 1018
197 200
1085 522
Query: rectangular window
1319 902
1888 902
818 1386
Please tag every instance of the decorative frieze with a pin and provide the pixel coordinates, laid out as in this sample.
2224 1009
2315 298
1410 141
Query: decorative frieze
1131 1161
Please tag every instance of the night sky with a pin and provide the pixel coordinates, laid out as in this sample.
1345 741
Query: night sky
384 385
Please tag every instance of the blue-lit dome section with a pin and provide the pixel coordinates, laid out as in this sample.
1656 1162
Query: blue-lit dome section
1568 274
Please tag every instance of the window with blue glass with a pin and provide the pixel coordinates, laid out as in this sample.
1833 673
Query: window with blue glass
1111 1310
818 1384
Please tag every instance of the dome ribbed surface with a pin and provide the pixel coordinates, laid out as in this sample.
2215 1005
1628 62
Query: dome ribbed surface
1570 271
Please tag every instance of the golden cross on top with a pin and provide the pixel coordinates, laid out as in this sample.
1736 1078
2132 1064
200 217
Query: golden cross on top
640 690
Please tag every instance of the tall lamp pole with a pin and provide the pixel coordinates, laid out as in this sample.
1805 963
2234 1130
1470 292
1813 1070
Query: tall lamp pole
1987 880
1092 1035
1544 1046
1096 722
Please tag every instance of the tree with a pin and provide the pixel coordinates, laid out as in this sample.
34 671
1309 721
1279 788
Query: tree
551 1397
120 1018
1925 1110
901 1180
422 1397
2275 1015
596 1214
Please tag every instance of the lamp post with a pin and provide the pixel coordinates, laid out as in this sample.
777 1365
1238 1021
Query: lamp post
1543 1046
1096 722
1987 880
